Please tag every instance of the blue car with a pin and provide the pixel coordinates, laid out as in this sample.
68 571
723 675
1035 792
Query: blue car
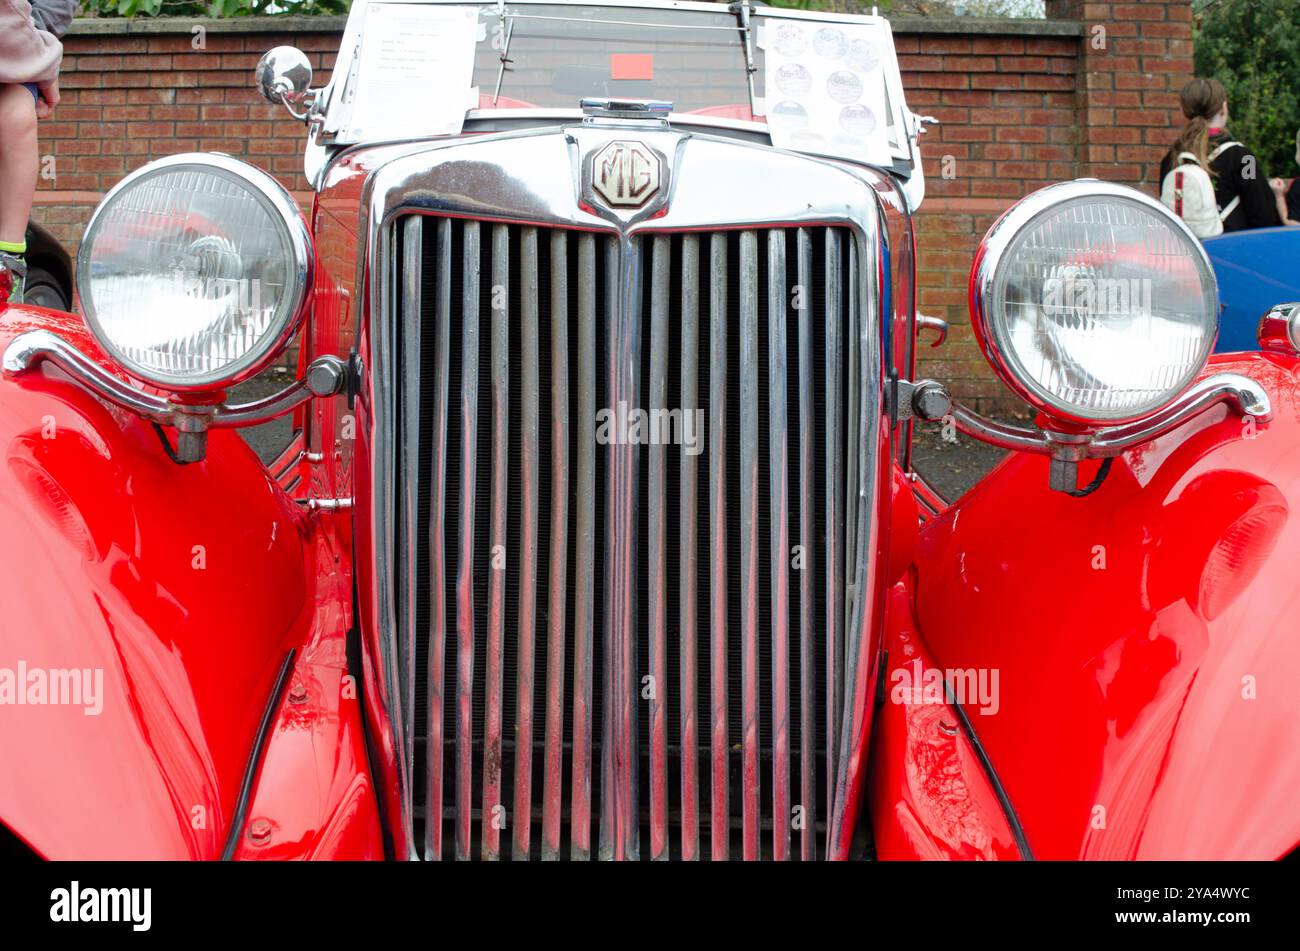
1256 269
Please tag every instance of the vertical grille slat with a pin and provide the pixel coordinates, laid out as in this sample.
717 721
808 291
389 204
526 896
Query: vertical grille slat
807 544
719 747
670 593
778 450
657 543
492 810
465 646
620 818
835 610
412 247
750 780
584 606
556 598
851 459
526 635
437 536
688 591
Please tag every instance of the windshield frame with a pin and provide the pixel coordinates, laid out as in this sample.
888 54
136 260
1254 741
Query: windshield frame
334 104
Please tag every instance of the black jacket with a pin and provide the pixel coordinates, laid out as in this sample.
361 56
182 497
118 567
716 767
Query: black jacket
1238 174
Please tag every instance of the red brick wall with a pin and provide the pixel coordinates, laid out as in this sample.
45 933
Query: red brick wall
1006 109
1019 111
1021 105
129 99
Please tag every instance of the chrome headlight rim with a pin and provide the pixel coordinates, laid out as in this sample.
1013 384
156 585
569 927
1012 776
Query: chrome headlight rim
991 334
277 199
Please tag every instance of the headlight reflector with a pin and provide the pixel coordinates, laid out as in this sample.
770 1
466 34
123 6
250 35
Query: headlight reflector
1094 303
194 271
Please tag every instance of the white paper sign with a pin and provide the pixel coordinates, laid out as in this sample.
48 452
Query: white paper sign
825 88
417 63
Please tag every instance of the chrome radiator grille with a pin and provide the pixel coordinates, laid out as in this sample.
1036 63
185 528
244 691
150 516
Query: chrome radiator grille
624 651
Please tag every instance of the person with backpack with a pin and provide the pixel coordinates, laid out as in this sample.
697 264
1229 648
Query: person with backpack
1212 182
29 90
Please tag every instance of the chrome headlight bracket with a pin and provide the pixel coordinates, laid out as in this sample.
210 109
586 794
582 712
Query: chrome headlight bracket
326 376
929 400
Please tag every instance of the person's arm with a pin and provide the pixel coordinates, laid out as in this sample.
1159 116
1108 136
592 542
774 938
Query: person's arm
27 55
1279 187
53 16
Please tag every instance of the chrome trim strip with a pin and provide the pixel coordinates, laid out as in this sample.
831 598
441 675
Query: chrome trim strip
620 816
410 333
469 373
383 396
851 476
436 737
835 570
871 458
493 808
778 475
688 560
719 727
530 485
584 570
751 759
808 545
557 577
657 550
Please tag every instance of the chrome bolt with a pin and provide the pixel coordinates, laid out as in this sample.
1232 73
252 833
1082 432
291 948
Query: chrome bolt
326 376
297 693
259 831
930 401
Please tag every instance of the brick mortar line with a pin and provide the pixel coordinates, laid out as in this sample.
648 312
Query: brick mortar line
156 26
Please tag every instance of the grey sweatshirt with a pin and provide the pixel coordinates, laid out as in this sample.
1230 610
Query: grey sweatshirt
27 54
54 16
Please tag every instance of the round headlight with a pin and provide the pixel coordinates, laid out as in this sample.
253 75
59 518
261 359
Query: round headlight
194 271
1094 303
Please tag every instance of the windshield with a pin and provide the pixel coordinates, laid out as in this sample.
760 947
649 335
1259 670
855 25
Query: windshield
559 54
820 83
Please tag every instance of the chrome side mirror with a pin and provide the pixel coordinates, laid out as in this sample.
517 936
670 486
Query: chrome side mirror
283 77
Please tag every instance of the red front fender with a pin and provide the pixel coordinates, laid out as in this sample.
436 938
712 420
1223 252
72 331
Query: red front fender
1144 639
179 591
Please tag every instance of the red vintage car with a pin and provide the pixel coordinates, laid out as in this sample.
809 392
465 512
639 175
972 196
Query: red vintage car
598 533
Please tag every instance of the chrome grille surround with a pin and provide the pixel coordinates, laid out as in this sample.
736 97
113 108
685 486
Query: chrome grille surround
536 179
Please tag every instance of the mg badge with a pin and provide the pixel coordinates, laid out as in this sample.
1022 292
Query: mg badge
625 174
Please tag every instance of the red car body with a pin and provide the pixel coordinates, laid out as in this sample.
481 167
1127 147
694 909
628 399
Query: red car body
1155 686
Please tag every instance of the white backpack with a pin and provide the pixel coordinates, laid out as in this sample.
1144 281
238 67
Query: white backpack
1189 192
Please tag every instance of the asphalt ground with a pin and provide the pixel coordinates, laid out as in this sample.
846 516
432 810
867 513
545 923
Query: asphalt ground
269 439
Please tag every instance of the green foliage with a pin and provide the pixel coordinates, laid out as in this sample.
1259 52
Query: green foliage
212 8
1253 48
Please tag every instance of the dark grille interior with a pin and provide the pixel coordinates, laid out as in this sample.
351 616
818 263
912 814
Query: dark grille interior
435 277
